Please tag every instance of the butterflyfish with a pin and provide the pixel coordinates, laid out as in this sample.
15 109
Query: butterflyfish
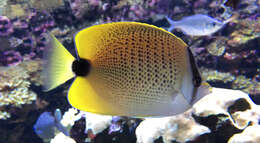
127 69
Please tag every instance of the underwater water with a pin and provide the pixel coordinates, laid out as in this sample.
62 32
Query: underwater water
223 36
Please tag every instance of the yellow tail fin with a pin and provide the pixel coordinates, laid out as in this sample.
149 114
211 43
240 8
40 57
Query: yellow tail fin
58 67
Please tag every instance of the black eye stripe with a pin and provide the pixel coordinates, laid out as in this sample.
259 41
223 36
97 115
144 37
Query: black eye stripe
195 73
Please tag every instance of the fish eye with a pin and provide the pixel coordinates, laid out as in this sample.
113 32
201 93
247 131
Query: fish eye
214 23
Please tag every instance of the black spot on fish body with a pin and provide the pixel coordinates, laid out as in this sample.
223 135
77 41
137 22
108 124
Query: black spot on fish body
81 67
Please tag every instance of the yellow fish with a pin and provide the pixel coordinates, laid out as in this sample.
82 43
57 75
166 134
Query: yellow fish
127 69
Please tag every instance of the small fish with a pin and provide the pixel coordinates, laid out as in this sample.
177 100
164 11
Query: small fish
198 25
46 124
126 69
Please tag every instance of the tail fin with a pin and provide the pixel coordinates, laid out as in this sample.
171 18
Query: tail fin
57 69
172 23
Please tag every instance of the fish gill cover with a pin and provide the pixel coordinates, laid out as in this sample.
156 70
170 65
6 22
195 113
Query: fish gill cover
227 58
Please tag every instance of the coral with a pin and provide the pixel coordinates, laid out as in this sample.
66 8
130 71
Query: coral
61 138
233 103
228 59
3 3
34 68
212 76
79 7
217 48
253 88
6 27
99 128
94 123
11 58
15 82
2 6
15 10
70 116
5 45
97 123
77 132
25 36
21 9
241 82
43 5
250 30
40 22
247 85
180 128
224 111
249 135
4 115
13 79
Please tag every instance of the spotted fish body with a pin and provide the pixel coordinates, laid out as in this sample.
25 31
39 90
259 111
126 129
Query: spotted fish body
136 70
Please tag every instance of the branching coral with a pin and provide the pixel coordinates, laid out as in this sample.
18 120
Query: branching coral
14 85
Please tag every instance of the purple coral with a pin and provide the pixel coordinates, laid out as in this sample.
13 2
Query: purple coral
6 27
20 23
11 58
40 22
75 7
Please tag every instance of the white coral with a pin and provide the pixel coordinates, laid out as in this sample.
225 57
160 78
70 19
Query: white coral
61 138
249 135
182 127
97 123
69 117
221 99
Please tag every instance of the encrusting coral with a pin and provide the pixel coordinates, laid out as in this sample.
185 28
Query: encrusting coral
213 75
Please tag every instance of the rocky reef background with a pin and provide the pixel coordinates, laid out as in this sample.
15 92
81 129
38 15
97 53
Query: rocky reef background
229 59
